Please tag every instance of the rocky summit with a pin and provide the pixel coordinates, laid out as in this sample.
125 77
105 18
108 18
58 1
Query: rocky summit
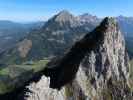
95 68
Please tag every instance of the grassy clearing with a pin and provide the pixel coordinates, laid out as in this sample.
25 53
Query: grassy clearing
9 75
4 71
35 66
39 65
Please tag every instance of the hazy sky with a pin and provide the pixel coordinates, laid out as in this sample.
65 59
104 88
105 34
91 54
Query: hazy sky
33 10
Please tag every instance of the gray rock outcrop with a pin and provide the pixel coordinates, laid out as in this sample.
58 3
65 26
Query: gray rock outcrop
103 72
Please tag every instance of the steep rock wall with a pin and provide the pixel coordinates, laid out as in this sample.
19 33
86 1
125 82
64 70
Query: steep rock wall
102 69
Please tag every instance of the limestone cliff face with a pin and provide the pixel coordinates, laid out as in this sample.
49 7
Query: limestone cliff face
107 66
102 72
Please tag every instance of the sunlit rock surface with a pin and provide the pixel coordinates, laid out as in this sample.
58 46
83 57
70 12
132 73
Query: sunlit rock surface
102 75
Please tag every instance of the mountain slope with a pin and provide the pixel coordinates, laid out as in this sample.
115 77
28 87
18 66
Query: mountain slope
126 24
103 74
58 34
12 32
129 45
88 18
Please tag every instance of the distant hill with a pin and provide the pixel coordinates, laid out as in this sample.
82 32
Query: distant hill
11 32
129 44
126 25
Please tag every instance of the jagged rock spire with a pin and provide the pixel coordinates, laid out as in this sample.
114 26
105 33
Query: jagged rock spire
105 35
95 68
106 68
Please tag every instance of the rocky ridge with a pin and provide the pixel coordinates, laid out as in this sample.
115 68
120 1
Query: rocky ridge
103 71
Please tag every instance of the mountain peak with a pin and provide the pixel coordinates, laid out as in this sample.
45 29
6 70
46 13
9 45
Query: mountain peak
62 20
86 15
109 21
88 18
64 12
108 24
64 16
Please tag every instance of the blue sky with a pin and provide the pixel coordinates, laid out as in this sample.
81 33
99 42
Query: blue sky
33 10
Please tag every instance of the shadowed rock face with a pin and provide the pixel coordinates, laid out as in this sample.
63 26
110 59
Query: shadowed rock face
95 68
64 70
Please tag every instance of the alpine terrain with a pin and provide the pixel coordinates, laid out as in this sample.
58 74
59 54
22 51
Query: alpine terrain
95 68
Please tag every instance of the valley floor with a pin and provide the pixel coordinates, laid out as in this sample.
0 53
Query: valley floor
14 76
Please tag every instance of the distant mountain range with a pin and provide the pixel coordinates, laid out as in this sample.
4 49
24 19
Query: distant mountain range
58 33
11 32
53 37
25 49
9 27
126 25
